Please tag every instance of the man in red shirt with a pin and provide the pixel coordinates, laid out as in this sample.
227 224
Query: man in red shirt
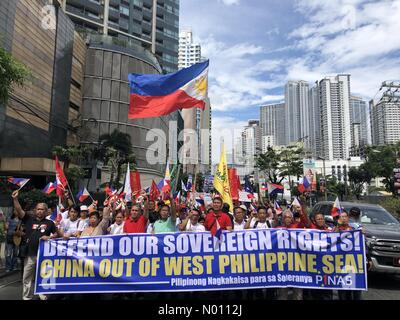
135 222
319 222
288 220
215 215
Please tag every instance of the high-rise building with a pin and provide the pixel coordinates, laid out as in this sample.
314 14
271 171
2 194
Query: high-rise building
385 121
297 112
360 125
151 24
267 142
251 139
334 104
189 51
197 122
314 123
44 112
272 122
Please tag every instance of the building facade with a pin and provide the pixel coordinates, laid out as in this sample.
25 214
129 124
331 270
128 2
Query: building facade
189 51
385 122
45 111
360 125
297 112
314 123
335 125
151 24
267 142
272 122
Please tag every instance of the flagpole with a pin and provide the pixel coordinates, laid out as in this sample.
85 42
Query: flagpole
177 179
259 193
72 196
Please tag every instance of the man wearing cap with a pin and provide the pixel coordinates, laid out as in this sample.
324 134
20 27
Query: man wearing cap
215 215
83 219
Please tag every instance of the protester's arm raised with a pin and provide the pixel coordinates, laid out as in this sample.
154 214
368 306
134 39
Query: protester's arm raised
17 205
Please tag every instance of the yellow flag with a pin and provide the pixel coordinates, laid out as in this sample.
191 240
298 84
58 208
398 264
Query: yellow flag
221 180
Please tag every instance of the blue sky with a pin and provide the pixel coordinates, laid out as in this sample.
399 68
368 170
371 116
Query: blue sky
256 46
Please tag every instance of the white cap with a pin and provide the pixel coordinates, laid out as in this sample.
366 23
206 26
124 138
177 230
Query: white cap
243 207
84 208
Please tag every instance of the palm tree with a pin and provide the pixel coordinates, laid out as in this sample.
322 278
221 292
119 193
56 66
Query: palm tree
115 149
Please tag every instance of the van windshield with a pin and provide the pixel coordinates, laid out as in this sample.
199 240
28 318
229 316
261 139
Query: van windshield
377 216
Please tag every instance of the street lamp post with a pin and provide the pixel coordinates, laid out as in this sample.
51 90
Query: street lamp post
325 187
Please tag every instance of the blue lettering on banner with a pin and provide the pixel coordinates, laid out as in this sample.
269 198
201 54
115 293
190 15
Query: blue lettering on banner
198 261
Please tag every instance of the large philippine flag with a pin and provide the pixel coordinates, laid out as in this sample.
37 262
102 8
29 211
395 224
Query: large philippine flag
154 95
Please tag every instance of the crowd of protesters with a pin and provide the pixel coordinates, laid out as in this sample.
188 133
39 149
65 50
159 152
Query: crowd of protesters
149 216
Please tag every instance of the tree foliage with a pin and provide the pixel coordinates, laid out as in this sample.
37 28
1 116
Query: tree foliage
72 154
29 198
114 150
278 164
381 160
358 177
12 73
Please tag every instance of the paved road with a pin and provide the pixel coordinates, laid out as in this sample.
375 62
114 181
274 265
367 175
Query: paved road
381 287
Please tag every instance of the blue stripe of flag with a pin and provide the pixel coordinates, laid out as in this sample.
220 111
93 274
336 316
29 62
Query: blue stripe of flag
161 85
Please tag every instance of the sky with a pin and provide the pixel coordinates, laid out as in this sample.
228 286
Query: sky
256 46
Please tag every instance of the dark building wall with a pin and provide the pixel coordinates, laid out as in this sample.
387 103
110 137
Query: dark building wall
134 17
61 79
36 116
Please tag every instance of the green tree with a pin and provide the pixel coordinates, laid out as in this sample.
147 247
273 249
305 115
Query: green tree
381 160
30 197
72 154
269 163
114 150
199 182
291 162
358 177
336 187
12 73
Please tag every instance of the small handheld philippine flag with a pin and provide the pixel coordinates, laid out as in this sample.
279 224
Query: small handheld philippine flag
51 186
277 208
336 209
83 194
20 182
217 231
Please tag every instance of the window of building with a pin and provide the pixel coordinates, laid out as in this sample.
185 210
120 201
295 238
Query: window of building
138 3
124 10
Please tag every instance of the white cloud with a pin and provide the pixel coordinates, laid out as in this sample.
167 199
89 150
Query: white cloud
230 2
348 36
237 75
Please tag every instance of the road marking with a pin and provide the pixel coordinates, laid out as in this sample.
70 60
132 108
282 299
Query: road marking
7 284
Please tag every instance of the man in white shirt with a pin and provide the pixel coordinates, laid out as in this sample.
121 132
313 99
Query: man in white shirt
239 214
70 227
191 223
259 220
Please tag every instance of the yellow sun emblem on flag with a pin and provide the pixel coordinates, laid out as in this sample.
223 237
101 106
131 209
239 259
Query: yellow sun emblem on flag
201 85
